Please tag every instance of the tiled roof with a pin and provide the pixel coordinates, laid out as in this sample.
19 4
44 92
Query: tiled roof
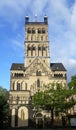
53 66
57 67
17 66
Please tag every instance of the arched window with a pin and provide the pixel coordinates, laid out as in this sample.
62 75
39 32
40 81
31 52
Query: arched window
39 30
38 73
28 30
18 87
58 75
33 30
43 30
29 48
39 48
43 48
22 114
38 83
33 48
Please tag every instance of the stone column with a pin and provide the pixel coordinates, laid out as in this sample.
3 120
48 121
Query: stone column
13 117
16 117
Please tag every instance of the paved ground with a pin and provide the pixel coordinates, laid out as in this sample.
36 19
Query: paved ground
40 129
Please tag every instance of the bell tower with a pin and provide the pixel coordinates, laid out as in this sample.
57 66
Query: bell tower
36 41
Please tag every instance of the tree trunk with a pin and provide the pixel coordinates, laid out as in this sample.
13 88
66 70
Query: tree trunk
52 117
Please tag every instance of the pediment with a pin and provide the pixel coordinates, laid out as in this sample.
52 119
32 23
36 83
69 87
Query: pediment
38 66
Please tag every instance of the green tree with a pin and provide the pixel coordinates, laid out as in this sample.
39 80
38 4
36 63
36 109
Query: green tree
54 98
3 107
72 83
38 100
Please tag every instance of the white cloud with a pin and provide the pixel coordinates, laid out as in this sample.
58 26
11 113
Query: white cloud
13 10
17 42
72 62
38 6
62 25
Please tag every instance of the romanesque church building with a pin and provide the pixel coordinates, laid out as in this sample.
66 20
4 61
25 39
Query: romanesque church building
32 75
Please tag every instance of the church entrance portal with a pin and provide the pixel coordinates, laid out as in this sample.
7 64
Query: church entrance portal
23 117
39 120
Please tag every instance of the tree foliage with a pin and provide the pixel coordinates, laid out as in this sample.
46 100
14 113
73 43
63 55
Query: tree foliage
38 100
72 83
54 98
3 107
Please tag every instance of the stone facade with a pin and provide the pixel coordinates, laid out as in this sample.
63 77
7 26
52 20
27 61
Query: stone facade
32 75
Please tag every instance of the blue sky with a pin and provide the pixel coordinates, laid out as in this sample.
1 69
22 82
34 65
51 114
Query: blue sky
62 32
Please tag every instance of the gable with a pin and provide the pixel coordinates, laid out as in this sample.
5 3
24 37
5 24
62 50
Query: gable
38 65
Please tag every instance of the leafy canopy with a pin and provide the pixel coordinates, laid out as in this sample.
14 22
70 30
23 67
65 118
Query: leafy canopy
72 83
3 106
54 98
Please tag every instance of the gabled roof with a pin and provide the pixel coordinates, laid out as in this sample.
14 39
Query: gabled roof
57 67
17 66
53 66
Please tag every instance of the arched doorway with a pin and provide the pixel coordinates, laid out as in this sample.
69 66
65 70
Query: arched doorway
39 120
23 117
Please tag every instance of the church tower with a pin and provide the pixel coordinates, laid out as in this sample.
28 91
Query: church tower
31 76
36 41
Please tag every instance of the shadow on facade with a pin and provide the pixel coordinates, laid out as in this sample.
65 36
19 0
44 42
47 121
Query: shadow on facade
30 123
19 123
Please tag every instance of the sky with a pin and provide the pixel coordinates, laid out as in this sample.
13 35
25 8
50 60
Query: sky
62 32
